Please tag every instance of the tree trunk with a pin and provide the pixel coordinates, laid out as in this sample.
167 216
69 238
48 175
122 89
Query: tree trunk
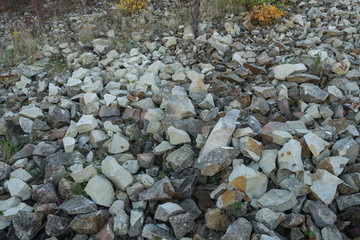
196 15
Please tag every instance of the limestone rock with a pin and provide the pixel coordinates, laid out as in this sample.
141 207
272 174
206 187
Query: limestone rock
249 181
120 177
278 200
289 157
220 136
86 123
239 230
100 190
178 136
324 186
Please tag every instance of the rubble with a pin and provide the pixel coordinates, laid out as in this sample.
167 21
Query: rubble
238 131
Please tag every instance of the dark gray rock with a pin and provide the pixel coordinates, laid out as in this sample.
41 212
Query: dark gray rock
78 205
182 224
56 225
26 224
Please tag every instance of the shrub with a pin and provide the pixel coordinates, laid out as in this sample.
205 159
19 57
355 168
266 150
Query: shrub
132 6
264 14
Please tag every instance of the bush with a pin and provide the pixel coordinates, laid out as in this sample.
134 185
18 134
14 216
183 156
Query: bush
264 14
132 6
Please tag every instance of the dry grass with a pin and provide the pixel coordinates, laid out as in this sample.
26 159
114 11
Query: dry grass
22 45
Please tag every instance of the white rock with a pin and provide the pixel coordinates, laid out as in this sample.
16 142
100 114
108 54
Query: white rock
90 97
9 203
32 112
249 181
284 70
289 157
146 180
69 144
117 206
53 90
18 188
251 148
317 146
116 173
281 137
26 124
123 101
220 136
73 82
335 165
72 130
24 81
100 190
109 99
155 114
171 41
208 102
11 212
324 186
80 73
178 136
267 162
113 54
132 166
237 57
86 123
166 210
21 174
117 144
163 147
84 175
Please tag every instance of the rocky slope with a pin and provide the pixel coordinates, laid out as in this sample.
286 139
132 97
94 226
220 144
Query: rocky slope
242 133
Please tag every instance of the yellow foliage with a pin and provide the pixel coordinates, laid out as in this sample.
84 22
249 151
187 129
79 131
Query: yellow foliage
132 6
264 14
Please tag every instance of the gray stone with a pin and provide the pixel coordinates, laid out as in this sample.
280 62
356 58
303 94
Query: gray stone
152 231
181 158
217 160
278 200
178 106
312 93
303 78
166 210
56 225
239 230
331 233
136 222
161 190
220 136
91 222
191 207
270 218
45 193
182 224
289 157
78 205
249 181
26 224
45 149
346 147
346 201
321 214
121 223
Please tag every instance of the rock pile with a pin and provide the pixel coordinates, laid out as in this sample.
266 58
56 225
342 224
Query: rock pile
242 133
